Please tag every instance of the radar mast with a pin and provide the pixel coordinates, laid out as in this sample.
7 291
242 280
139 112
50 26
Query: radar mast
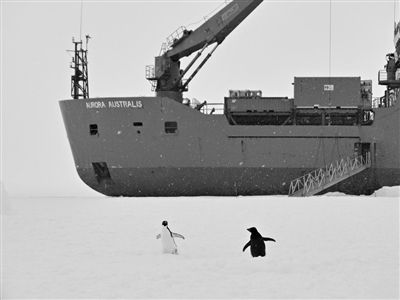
80 78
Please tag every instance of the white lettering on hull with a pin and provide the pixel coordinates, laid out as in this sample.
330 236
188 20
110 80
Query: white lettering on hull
96 104
114 104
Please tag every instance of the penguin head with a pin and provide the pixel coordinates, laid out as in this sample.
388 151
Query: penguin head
252 229
164 223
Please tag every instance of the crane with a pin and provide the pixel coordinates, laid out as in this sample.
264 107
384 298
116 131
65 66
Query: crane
166 75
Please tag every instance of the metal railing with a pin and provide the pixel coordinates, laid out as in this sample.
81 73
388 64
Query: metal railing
377 102
163 49
213 108
150 72
176 35
171 39
322 178
150 76
382 75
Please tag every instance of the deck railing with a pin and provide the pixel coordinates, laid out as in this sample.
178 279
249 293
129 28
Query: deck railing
382 75
213 108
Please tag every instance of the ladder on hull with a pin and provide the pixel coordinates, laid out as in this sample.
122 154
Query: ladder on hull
320 179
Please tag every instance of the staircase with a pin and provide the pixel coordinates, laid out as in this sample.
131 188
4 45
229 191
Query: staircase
323 178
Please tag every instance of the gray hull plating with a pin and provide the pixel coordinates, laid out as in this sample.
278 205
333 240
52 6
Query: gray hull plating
220 181
204 155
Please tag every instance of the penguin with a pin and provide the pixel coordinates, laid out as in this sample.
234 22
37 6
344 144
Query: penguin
167 239
256 243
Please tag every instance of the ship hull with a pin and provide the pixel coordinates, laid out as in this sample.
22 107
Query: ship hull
127 147
221 181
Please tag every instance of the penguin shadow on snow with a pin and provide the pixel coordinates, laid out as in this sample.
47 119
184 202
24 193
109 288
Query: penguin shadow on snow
167 239
257 243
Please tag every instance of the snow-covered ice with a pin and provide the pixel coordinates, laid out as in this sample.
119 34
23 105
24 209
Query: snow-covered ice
332 246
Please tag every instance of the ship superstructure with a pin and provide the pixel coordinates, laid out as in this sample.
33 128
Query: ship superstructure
168 145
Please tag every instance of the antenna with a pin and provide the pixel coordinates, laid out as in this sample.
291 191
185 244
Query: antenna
80 27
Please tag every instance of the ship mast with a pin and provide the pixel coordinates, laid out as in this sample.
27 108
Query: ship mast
80 78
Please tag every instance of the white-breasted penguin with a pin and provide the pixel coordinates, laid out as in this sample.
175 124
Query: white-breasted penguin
167 239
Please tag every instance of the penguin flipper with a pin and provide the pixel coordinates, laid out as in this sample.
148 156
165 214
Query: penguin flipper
268 239
158 236
247 245
174 234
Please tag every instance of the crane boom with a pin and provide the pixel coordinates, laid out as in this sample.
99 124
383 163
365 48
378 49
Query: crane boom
167 75
215 29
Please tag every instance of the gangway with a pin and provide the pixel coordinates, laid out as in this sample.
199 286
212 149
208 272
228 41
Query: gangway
320 179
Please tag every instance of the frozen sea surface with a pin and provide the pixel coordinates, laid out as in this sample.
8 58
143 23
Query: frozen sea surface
332 246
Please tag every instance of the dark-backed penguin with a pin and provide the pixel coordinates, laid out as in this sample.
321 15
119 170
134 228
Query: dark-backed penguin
167 239
256 243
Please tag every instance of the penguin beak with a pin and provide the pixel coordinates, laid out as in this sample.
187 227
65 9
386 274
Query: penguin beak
248 229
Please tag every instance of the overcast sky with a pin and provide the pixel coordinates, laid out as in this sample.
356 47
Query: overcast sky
278 41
